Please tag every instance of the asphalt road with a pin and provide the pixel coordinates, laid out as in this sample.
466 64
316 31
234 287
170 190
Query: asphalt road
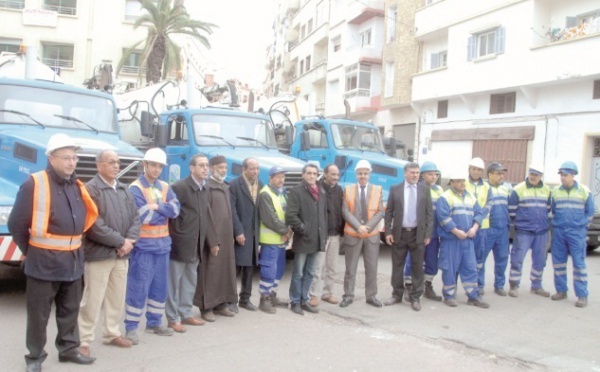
529 333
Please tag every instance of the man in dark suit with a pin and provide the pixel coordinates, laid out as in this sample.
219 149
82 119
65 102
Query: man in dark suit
244 191
408 227
362 211
190 231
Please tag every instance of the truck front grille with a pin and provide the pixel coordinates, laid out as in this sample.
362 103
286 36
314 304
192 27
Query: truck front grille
292 179
86 168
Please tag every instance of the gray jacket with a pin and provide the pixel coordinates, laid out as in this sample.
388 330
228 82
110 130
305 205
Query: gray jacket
117 219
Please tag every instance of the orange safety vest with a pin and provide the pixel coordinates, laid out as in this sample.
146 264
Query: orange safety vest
153 231
372 207
39 236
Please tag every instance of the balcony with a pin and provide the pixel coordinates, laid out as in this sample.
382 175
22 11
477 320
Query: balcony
361 11
289 6
559 23
62 63
316 75
366 54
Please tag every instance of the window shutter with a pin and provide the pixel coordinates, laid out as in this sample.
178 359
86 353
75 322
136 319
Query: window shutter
472 48
435 60
571 22
500 39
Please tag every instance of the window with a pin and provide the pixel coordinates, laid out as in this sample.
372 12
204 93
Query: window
486 43
442 110
302 32
57 55
133 9
12 4
365 38
318 137
309 27
337 44
68 7
307 64
502 103
358 80
10 45
391 24
389 79
596 94
439 59
320 14
132 64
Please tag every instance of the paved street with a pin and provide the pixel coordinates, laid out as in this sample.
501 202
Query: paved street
529 333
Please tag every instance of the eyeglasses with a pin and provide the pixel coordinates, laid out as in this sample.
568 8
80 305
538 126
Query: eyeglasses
362 173
67 158
111 162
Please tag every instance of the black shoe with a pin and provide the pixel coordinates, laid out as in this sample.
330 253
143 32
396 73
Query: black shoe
247 305
393 301
234 308
345 302
374 302
34 367
310 309
297 309
76 357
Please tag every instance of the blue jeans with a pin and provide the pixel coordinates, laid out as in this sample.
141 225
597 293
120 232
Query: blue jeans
305 265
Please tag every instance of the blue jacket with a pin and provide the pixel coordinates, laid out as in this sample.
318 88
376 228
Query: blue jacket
167 210
436 192
457 210
529 207
573 208
499 207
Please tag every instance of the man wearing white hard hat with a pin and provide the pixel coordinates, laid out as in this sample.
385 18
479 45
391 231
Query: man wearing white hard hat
147 280
362 210
50 214
459 217
528 207
482 192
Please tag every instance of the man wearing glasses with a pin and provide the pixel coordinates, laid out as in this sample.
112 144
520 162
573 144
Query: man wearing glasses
50 214
107 246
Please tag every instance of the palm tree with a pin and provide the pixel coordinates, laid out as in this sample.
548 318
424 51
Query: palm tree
164 19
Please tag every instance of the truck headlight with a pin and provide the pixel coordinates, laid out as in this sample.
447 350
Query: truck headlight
4 213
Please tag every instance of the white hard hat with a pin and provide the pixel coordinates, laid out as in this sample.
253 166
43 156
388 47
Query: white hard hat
457 175
156 155
536 168
477 163
60 141
363 164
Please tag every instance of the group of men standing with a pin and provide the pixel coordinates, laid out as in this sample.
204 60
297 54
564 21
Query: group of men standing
156 248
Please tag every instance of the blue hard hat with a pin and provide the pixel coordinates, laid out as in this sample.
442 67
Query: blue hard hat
275 170
568 167
429 166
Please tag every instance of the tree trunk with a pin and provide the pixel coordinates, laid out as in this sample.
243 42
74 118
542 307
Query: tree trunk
155 60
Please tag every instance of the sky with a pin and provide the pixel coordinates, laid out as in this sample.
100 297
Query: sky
240 41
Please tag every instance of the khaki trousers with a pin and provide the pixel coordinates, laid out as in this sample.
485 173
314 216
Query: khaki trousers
105 283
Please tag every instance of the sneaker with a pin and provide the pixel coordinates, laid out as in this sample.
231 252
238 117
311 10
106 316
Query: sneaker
478 302
450 302
160 331
581 302
559 296
500 292
540 292
132 336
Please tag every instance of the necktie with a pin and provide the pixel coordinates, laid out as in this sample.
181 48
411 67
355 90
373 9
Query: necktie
363 205
412 206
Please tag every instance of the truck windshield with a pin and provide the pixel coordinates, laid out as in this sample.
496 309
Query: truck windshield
348 136
236 130
50 107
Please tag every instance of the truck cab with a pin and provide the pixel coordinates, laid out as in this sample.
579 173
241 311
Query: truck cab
31 111
344 142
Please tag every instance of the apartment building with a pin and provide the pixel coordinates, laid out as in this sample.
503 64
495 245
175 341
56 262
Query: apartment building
75 37
511 80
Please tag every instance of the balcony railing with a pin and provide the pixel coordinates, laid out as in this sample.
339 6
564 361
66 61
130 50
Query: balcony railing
67 10
357 93
63 63
134 70
12 4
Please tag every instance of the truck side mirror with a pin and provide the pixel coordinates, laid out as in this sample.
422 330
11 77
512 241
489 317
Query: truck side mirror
305 138
146 124
161 136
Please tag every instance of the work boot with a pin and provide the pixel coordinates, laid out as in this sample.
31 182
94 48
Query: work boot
450 302
277 302
478 302
581 302
514 289
407 290
559 296
430 293
540 292
500 292
266 305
